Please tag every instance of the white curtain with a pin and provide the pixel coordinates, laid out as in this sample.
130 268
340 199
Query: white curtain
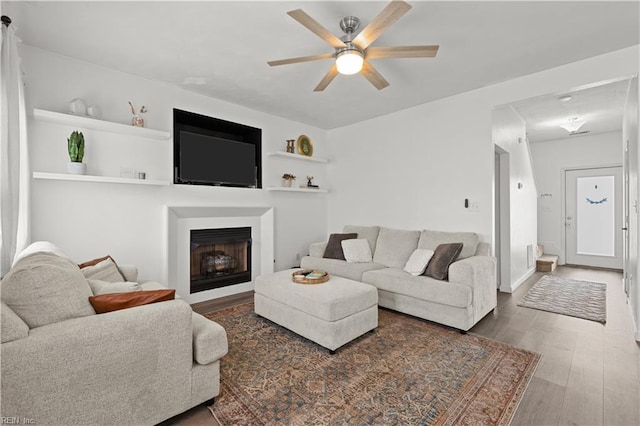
14 159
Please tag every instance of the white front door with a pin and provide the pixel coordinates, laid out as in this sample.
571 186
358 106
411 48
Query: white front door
593 217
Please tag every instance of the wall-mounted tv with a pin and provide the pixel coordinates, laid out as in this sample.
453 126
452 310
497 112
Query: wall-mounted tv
210 151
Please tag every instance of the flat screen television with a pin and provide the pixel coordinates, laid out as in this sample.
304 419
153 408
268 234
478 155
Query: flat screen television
210 151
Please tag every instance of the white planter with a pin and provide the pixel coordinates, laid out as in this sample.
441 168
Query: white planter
76 168
287 182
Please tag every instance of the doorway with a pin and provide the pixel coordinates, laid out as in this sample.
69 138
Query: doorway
593 217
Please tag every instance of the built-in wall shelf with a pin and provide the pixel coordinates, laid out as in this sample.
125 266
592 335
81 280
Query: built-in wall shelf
102 179
299 157
101 125
293 189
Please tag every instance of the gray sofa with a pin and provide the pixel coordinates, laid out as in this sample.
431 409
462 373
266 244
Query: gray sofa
462 301
64 364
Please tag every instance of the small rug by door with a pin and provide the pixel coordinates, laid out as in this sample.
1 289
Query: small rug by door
408 371
581 299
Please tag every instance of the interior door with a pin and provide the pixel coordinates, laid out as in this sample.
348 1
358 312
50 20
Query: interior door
593 217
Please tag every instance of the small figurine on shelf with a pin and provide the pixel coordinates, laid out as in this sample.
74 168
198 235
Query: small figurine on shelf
310 183
291 148
137 120
287 179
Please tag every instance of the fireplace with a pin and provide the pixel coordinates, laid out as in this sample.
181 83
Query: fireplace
219 257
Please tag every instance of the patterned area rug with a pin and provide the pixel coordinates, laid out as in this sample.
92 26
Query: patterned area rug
408 371
582 299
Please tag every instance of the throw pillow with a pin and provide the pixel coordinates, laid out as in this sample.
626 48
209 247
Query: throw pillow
334 246
106 287
43 288
113 302
418 261
357 250
103 268
444 256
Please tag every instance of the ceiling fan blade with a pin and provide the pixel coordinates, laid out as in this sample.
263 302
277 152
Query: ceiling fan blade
328 78
380 23
301 59
374 77
402 52
315 27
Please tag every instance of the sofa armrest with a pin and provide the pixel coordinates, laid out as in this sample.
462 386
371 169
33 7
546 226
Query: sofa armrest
130 272
317 249
128 359
479 273
209 340
474 271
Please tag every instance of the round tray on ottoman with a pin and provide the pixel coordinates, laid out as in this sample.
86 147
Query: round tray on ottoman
309 276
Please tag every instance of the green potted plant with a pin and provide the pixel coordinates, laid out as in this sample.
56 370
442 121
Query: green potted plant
287 179
75 146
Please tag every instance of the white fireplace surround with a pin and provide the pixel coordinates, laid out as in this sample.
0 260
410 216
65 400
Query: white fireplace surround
181 220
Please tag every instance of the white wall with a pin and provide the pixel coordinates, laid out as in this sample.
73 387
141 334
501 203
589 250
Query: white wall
414 168
519 226
551 159
631 135
93 219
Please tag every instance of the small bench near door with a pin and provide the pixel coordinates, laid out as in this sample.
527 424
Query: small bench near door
329 314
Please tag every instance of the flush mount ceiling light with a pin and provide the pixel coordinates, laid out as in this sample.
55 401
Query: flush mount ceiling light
565 98
573 125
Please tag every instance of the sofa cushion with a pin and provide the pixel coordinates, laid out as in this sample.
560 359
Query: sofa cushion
357 251
423 288
115 301
209 340
13 328
99 287
432 239
341 268
418 261
443 257
394 246
370 233
43 288
104 269
334 246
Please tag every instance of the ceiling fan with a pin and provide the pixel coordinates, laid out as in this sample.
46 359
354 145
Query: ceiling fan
352 52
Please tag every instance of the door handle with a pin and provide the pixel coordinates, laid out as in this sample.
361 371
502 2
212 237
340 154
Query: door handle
625 229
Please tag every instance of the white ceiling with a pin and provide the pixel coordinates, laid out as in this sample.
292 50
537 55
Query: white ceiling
228 44
601 106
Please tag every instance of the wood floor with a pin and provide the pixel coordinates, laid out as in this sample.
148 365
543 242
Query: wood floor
589 373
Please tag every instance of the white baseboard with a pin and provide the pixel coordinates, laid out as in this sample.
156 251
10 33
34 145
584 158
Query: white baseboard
511 288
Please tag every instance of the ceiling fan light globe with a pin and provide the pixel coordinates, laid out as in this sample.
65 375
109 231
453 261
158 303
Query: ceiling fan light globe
349 62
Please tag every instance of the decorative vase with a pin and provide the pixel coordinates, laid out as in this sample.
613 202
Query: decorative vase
77 107
287 182
76 168
137 121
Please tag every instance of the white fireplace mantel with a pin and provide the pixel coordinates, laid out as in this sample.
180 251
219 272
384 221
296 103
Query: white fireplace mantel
180 220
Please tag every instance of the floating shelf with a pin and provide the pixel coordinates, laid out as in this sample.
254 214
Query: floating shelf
299 157
94 124
289 189
102 179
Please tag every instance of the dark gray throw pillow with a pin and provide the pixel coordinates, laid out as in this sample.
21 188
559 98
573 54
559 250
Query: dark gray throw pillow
445 255
334 246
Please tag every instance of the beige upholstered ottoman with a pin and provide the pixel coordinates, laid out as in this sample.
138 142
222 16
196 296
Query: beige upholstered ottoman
330 314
